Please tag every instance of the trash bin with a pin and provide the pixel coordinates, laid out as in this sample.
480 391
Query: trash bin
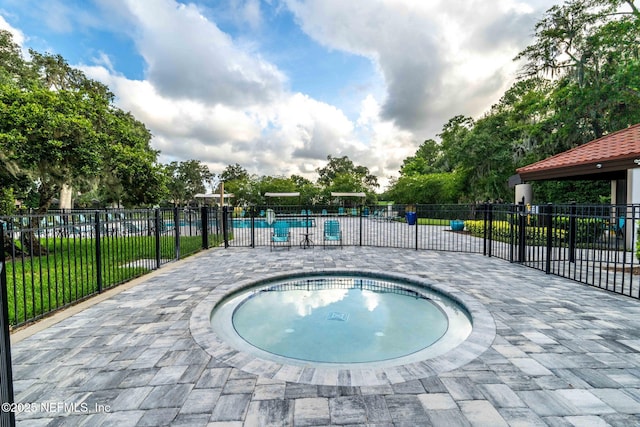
411 218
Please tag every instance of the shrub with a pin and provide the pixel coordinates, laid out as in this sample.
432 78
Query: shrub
502 231
588 230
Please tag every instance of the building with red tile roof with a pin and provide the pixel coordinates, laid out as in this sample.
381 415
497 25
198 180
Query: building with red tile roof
609 157
614 157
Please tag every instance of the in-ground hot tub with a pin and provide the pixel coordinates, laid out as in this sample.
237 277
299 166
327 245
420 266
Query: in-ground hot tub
340 319
335 327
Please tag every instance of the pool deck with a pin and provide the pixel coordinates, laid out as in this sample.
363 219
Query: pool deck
562 353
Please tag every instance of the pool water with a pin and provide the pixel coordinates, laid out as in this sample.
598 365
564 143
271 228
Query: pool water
342 319
263 223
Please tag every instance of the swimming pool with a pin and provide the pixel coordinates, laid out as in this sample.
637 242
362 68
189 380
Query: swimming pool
263 223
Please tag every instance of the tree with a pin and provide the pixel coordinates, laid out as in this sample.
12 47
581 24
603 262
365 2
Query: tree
60 128
590 48
130 173
186 179
7 201
432 188
243 186
340 174
49 138
233 173
14 69
452 137
428 159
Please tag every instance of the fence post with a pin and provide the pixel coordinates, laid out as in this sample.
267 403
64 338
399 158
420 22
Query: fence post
156 220
522 231
98 230
361 218
176 232
485 226
572 232
253 227
416 227
204 226
549 225
490 229
225 231
7 418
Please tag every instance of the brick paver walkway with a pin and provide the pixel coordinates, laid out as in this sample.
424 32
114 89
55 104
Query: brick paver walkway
563 354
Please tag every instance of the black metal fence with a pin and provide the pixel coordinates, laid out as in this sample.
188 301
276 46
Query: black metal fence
57 259
7 417
381 227
594 245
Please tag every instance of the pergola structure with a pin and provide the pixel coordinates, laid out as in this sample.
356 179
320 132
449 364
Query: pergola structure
357 194
296 194
214 196
274 195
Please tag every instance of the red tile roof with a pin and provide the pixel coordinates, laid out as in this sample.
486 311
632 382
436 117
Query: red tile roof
615 152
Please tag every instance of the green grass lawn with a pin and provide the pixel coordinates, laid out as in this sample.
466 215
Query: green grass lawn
69 271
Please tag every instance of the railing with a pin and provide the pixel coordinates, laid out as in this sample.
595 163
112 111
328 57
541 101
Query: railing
57 259
589 244
7 418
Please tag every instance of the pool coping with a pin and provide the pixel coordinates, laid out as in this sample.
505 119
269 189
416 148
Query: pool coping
482 336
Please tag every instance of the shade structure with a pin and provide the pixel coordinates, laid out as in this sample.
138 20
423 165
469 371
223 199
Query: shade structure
336 194
281 194
215 197
212 196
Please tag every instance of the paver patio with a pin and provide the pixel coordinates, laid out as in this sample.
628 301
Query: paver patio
564 354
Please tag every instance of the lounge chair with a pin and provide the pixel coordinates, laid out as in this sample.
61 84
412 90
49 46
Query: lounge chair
281 235
332 232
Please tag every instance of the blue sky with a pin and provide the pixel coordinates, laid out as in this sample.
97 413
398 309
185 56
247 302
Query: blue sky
278 85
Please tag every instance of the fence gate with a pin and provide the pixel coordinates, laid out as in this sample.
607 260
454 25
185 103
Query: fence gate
7 417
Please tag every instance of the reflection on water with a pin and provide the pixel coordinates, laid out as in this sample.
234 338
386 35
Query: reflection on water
304 302
379 320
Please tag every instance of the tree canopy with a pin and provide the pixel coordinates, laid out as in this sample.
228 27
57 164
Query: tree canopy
61 128
580 80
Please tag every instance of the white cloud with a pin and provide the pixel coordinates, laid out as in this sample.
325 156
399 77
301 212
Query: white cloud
188 56
269 130
438 58
208 96
18 36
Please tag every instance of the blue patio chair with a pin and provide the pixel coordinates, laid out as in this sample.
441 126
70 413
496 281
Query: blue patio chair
340 210
281 235
618 227
332 232
324 212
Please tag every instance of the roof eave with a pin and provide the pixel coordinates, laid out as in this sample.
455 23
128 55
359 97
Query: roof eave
587 169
